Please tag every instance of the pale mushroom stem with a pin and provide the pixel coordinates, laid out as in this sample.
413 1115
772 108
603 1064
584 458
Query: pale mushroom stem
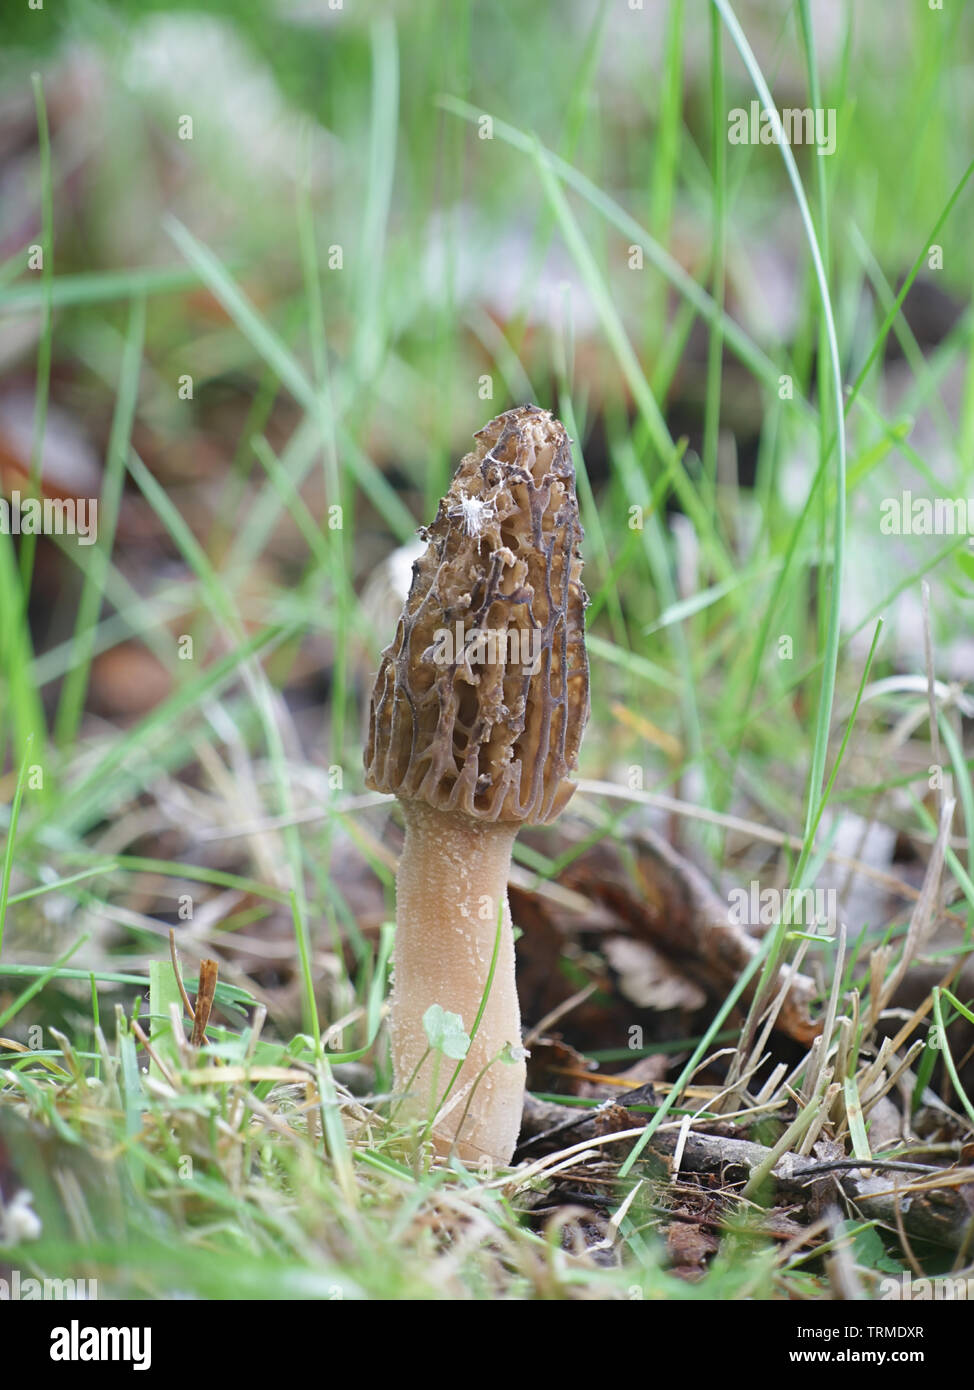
452 881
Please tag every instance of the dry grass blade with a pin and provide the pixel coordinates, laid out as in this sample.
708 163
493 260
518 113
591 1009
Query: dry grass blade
921 920
174 957
204 1001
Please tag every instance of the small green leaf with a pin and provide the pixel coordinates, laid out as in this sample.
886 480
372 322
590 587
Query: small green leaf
869 1250
514 1052
163 991
965 563
857 1125
445 1032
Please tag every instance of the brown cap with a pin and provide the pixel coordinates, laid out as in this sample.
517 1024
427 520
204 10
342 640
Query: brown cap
481 700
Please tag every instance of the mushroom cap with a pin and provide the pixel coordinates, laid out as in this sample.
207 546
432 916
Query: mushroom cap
482 697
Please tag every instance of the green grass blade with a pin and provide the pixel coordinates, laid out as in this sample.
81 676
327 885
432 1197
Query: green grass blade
92 590
8 854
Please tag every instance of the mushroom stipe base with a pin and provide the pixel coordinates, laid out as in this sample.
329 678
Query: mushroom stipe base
452 880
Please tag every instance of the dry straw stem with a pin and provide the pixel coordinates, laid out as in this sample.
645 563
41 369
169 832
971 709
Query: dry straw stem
756 830
922 920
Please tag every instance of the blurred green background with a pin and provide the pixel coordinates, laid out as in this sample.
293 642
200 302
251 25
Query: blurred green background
294 254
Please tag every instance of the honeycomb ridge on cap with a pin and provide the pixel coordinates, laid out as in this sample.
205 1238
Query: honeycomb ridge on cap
488 727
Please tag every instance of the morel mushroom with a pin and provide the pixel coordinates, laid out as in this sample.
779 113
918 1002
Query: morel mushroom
476 718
